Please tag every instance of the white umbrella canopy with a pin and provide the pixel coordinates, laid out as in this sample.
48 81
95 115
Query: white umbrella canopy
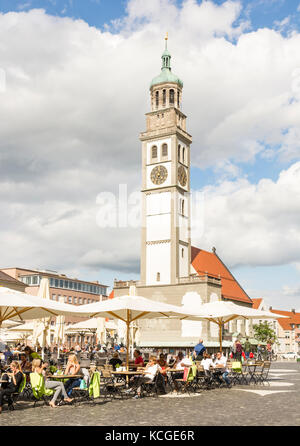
41 332
130 308
221 312
21 306
91 324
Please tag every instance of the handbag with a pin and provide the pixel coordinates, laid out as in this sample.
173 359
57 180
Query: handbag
83 385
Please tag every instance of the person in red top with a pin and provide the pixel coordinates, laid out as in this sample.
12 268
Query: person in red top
138 361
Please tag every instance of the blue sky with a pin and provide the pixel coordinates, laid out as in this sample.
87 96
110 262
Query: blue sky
282 16
261 13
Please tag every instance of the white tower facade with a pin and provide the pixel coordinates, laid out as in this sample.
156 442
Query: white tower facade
166 244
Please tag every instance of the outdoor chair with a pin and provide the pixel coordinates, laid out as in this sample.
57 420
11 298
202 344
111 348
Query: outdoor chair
237 375
187 383
203 379
262 373
38 391
111 386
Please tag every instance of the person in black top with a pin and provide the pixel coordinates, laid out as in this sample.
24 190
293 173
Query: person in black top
12 386
115 360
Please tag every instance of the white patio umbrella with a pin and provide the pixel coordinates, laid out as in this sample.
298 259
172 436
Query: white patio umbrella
130 308
221 312
41 331
20 306
94 325
59 332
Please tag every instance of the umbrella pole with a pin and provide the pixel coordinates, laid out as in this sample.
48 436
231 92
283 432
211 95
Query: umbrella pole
220 335
127 340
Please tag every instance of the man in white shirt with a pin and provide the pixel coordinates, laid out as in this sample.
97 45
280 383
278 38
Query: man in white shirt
182 362
206 362
150 372
220 363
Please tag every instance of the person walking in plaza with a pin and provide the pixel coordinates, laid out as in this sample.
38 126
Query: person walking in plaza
198 351
239 350
247 348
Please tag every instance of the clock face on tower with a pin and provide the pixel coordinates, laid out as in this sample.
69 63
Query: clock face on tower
182 176
159 175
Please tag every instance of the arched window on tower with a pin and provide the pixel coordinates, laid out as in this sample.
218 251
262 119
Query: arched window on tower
178 152
172 96
182 207
178 99
182 252
183 154
157 99
164 97
165 150
157 277
154 152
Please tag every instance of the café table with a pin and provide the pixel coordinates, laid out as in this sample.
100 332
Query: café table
127 374
64 376
170 379
250 368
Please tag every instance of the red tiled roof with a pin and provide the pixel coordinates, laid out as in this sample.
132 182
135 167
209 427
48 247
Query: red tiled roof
285 323
256 303
209 263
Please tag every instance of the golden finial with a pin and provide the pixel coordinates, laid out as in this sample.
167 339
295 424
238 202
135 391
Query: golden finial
166 38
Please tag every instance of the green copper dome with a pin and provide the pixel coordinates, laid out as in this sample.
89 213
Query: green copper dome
166 74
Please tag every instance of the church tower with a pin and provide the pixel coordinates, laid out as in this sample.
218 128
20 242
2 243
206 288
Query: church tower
166 244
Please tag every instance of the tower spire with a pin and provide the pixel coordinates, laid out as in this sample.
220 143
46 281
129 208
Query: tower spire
166 56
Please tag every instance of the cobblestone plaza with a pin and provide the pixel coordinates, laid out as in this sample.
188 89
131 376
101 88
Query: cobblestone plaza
252 405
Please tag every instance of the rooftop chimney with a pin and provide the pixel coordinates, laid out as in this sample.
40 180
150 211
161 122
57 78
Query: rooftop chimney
214 250
293 310
270 308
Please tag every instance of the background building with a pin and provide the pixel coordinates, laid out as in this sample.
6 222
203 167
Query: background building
72 290
10 282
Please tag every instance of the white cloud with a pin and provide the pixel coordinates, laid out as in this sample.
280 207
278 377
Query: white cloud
74 105
253 224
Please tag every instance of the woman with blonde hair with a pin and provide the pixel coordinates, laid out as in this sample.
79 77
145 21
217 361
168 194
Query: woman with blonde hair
14 380
73 368
57 386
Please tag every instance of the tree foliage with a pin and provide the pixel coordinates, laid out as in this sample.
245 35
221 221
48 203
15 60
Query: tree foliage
264 333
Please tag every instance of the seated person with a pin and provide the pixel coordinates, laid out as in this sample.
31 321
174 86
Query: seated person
14 380
73 368
57 386
7 355
151 370
206 362
31 355
25 365
162 363
180 363
115 361
220 363
138 359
